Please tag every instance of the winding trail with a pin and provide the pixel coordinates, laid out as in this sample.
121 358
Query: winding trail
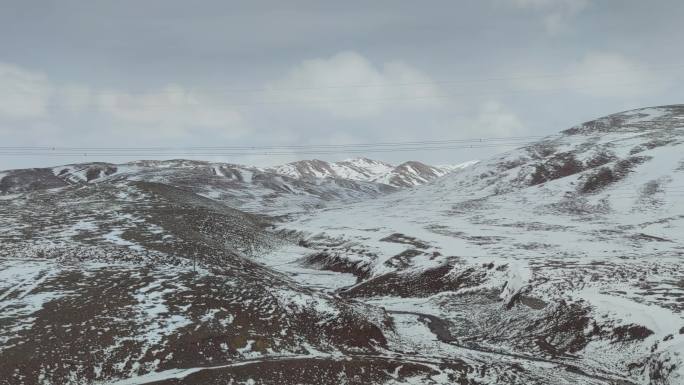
440 328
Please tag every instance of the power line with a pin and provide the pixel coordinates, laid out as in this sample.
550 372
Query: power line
278 150
142 105
381 85
508 139
314 101
132 153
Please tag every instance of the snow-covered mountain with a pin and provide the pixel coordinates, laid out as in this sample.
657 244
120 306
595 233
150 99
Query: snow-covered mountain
247 188
357 169
407 174
569 250
560 262
289 188
411 174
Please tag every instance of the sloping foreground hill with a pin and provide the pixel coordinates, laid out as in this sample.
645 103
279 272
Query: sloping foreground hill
113 281
570 249
128 282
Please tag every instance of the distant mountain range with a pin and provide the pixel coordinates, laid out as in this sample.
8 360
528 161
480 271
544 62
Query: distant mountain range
408 174
288 188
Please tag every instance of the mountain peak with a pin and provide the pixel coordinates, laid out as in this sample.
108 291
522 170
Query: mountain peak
364 160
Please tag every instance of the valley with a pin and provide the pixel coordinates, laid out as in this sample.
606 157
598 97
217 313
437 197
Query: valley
558 262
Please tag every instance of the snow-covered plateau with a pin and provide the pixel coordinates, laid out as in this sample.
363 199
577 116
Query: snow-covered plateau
559 262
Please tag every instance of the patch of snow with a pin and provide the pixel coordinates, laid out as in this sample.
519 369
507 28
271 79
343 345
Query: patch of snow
114 236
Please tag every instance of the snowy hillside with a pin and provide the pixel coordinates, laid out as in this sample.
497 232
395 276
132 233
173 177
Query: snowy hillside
357 169
108 282
579 234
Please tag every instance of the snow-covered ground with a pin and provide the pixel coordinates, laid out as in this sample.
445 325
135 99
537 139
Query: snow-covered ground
556 263
592 217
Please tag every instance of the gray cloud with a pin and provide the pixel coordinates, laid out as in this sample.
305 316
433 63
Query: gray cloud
170 73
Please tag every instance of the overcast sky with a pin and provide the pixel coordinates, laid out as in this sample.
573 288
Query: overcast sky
258 73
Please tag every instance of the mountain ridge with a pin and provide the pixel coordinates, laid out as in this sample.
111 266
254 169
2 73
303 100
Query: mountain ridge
407 174
302 185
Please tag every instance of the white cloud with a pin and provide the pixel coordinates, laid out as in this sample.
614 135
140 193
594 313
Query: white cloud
173 110
349 85
555 14
600 75
23 94
33 97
